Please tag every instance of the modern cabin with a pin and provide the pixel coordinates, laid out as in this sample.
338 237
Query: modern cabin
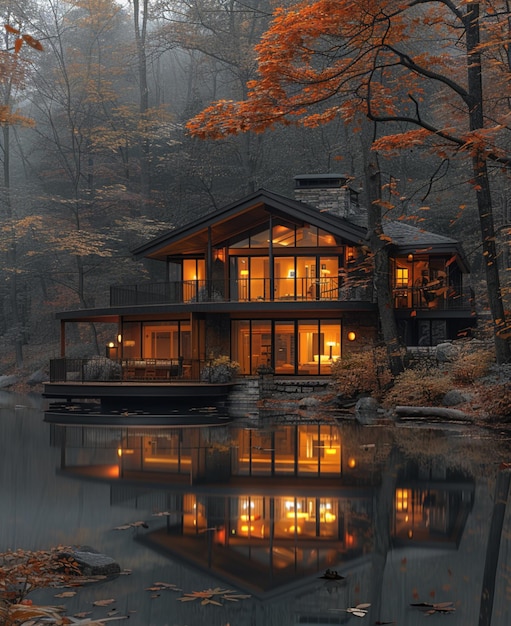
278 282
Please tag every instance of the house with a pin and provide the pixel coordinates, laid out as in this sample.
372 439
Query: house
278 282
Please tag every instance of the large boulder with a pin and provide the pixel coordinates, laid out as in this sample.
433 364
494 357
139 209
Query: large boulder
8 381
93 563
366 410
447 353
456 396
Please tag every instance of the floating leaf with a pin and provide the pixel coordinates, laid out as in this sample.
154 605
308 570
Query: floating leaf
103 602
66 594
209 601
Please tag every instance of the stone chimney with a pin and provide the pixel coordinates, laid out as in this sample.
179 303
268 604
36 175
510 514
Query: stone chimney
327 192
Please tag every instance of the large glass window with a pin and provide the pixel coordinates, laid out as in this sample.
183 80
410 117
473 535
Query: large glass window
156 340
307 347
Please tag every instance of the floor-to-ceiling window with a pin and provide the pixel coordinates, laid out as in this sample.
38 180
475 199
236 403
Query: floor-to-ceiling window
294 278
156 340
306 347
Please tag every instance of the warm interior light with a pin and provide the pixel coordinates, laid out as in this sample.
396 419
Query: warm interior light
119 452
111 344
244 273
119 338
246 528
351 462
410 257
352 336
129 343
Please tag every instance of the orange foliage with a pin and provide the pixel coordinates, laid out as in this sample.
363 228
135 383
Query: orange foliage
388 59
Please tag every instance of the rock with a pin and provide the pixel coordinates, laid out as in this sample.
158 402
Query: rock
93 563
366 410
8 381
308 403
455 396
37 378
447 353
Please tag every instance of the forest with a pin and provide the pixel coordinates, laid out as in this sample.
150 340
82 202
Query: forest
121 120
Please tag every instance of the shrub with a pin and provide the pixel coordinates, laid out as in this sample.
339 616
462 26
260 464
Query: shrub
366 371
496 400
220 370
101 368
472 366
422 386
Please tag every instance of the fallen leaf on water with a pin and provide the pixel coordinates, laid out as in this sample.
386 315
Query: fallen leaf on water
83 614
167 585
66 594
209 601
103 602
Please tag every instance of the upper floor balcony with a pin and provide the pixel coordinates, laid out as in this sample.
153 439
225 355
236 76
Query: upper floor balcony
240 290
283 290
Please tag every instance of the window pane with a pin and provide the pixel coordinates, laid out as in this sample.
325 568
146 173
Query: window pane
131 345
325 239
307 363
284 348
285 278
240 345
304 279
307 236
259 284
283 236
261 344
260 240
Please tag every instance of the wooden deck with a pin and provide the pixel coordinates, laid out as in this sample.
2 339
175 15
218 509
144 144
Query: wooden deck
134 403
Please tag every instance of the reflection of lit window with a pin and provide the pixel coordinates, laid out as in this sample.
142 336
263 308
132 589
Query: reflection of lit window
325 512
402 499
401 277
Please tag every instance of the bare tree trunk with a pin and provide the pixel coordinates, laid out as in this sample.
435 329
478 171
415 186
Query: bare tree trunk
380 259
482 186
16 322
140 18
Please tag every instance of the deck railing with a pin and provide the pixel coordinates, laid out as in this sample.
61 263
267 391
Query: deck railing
445 299
100 369
242 290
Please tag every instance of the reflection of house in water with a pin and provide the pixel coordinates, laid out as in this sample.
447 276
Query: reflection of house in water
261 507
431 506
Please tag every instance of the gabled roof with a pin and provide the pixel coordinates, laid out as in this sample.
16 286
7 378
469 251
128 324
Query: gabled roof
409 239
254 209
239 217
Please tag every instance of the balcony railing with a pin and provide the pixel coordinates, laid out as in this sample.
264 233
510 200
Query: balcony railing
443 299
240 290
99 369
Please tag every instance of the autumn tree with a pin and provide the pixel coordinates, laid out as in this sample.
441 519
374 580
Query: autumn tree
434 72
15 68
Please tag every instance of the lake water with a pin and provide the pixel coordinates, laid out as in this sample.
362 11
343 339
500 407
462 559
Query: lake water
405 514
